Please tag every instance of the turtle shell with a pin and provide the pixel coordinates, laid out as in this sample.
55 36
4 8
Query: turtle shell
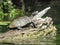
21 21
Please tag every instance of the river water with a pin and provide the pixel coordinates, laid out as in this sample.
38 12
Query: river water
58 35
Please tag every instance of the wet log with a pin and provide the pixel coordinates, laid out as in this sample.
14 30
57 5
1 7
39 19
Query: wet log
29 36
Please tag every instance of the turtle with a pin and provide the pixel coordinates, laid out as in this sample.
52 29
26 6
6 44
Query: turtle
21 22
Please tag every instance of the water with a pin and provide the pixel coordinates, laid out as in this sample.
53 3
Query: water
3 28
58 35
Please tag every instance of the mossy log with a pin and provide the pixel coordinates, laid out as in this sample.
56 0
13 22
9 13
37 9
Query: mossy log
29 36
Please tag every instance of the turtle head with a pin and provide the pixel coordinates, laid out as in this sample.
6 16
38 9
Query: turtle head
11 26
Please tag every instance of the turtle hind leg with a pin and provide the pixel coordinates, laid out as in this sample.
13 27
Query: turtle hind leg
19 28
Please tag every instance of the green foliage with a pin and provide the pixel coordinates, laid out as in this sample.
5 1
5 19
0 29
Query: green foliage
8 12
14 13
1 15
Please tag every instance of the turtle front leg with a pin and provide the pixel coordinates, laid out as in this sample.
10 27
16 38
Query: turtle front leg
34 25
